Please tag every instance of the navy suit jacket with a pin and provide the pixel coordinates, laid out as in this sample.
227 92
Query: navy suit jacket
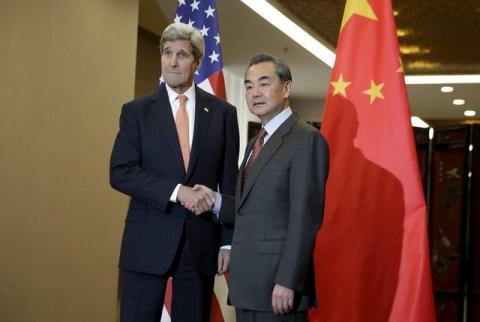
146 164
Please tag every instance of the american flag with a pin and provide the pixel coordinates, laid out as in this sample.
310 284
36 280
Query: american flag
202 14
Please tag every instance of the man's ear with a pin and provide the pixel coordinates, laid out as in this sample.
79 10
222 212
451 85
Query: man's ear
287 87
197 63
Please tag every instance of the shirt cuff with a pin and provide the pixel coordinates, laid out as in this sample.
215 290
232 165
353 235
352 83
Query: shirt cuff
229 247
218 204
173 197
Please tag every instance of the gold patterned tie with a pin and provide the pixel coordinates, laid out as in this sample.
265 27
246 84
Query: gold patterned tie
181 123
256 150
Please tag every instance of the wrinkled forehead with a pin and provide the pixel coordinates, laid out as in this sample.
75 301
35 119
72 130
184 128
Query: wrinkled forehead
178 45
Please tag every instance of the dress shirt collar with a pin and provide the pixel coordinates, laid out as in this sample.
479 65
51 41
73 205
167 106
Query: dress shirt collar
173 96
272 125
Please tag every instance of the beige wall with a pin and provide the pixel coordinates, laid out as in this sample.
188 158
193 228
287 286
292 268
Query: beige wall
148 63
65 69
310 110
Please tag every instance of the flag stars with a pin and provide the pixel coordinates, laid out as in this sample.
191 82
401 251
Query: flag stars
209 12
178 18
204 31
202 15
213 57
375 91
357 7
217 39
400 69
194 5
340 86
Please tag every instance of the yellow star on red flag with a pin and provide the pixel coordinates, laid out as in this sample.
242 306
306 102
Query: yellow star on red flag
400 69
357 7
375 91
339 86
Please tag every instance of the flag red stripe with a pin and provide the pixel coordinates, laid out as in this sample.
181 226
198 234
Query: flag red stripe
218 84
168 297
216 314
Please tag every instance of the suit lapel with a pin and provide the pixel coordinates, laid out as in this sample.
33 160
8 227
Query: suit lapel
162 112
268 150
203 112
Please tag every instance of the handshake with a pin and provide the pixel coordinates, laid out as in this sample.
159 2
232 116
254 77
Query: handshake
198 199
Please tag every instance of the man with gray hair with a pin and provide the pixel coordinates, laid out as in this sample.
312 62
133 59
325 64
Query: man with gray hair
168 142
278 205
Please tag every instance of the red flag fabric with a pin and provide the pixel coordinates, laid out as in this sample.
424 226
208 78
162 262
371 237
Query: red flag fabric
371 256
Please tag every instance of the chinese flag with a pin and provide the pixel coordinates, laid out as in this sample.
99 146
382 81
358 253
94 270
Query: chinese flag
371 256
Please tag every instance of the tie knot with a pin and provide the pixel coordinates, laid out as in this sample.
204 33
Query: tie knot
182 99
262 134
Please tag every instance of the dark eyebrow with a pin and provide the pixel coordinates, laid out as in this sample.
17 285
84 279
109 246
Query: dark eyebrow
261 78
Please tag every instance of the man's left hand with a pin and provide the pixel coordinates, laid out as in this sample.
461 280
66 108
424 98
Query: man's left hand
223 261
282 299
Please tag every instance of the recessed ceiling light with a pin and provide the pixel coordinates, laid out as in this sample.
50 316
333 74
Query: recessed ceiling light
422 64
403 32
446 89
458 101
469 113
412 49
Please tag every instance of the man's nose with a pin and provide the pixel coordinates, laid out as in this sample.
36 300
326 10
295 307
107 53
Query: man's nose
173 60
256 91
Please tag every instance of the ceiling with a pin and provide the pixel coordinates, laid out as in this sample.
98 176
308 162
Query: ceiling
436 37
445 33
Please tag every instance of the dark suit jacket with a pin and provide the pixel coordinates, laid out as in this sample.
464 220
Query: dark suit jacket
146 164
278 213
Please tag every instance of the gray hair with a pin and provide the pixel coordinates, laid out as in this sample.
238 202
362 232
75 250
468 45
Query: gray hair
281 67
181 31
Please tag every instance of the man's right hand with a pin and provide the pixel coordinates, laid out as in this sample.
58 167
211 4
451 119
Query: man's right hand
282 299
196 200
